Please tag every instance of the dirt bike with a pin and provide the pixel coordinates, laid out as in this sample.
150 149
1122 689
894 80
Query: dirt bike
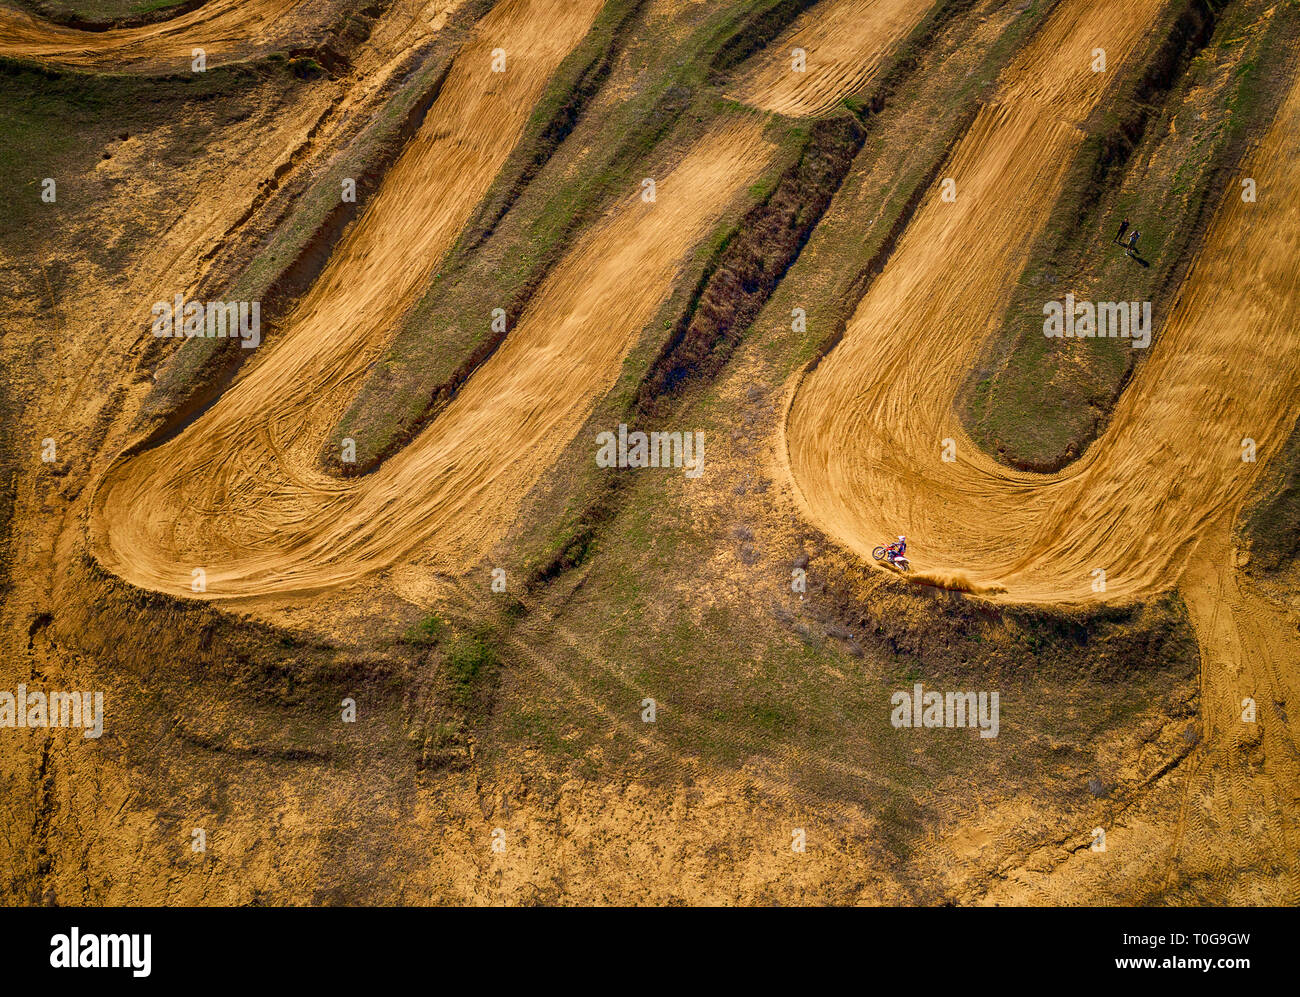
888 554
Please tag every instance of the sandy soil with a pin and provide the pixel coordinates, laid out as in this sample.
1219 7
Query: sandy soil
863 432
844 43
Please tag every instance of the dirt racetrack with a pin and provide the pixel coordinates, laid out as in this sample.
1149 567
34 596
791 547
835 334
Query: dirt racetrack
156 517
861 437
1152 503
867 428
460 480
339 327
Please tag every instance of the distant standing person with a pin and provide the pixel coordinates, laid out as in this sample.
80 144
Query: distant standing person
1119 236
1133 243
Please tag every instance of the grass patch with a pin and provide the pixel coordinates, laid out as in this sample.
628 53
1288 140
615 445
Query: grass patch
1271 524
427 633
471 668
60 124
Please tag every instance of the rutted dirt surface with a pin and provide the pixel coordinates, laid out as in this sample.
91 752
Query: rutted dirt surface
866 429
843 43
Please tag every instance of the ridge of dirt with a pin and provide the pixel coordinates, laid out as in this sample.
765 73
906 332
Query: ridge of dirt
55 13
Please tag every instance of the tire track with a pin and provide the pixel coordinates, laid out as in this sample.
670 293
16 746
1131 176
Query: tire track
841 41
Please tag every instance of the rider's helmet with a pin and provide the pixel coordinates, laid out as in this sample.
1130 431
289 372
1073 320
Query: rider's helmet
904 539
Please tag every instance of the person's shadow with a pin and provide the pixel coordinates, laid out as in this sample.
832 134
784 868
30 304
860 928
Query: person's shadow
1132 254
